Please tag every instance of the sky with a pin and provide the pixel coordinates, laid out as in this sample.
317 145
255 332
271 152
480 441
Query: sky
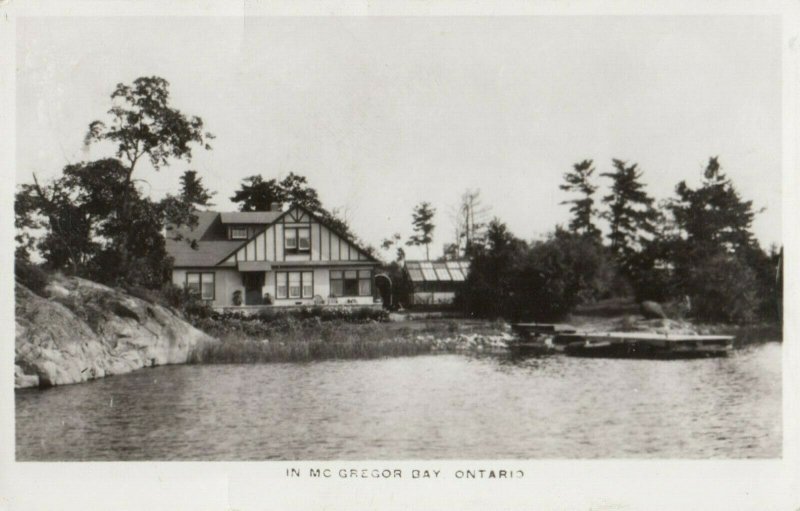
383 113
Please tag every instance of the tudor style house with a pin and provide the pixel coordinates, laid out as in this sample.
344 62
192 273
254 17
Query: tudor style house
280 258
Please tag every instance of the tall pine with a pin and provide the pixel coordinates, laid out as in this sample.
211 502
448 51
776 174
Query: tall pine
713 216
422 222
193 191
630 214
717 260
582 208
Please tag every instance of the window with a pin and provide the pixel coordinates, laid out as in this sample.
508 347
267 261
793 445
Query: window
281 289
238 233
297 239
304 240
364 283
294 284
351 283
290 235
201 283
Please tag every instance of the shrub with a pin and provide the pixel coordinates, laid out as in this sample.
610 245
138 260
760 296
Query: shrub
180 298
31 276
723 288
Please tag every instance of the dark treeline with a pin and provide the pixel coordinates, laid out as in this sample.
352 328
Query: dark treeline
696 249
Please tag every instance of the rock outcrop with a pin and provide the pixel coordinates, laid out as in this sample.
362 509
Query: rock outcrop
82 330
652 310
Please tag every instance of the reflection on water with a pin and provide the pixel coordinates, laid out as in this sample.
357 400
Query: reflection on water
444 406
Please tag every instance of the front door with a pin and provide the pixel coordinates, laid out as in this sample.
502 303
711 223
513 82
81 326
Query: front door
253 285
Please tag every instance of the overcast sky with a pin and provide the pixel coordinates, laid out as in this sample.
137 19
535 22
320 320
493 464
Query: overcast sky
382 113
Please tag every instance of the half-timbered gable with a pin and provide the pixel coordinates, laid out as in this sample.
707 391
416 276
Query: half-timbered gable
297 236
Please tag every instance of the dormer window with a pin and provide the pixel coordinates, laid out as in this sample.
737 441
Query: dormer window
297 239
238 233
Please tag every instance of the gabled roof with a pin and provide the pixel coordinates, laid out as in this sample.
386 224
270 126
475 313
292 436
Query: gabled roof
211 238
250 217
319 220
440 271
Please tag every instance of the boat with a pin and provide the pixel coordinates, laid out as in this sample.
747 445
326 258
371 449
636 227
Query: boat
538 338
645 345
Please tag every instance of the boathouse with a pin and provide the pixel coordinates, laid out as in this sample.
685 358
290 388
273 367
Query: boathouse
435 282
270 258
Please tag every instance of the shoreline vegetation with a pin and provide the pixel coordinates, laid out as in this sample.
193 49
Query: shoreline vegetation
71 330
288 339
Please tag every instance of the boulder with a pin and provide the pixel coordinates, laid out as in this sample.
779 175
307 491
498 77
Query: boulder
652 310
83 330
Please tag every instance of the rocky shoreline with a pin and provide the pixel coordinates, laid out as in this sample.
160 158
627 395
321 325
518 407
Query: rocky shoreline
80 330
76 330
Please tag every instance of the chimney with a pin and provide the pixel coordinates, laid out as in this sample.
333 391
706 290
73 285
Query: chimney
275 206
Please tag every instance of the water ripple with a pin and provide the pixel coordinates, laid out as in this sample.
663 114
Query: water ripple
445 406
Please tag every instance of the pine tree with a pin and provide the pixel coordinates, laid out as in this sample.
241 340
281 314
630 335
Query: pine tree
631 215
582 208
714 215
422 221
718 263
192 190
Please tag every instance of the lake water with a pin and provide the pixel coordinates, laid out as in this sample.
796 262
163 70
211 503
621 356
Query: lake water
439 406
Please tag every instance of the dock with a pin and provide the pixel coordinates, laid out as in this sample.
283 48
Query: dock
545 338
646 345
539 338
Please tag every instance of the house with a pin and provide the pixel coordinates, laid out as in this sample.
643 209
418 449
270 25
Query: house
435 283
278 258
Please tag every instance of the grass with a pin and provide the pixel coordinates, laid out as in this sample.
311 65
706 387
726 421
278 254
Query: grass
303 341
248 351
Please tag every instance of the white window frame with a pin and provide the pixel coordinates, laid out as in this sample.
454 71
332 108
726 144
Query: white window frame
296 248
306 281
236 233
202 277
360 275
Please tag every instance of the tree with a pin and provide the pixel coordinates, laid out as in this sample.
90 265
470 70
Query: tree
582 208
82 232
469 221
555 275
422 222
256 194
489 287
542 281
144 125
713 215
193 191
631 215
718 263
394 241
67 241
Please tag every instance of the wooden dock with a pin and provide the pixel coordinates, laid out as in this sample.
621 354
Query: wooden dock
538 338
646 345
544 338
